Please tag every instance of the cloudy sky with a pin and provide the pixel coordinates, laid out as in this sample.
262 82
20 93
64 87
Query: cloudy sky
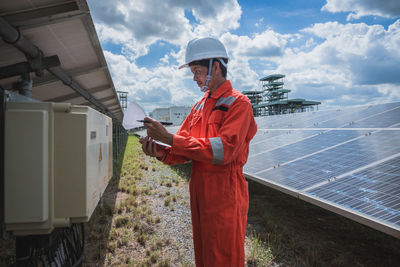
338 52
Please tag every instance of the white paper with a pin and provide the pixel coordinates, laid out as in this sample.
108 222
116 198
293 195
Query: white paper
132 114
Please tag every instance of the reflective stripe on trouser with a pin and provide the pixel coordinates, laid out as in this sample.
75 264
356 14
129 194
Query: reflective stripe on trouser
219 205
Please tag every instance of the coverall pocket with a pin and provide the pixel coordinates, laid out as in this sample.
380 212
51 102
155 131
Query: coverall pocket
195 125
214 123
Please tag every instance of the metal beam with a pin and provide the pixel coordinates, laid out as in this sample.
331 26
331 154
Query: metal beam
12 36
73 73
104 99
67 80
64 98
110 100
45 15
27 67
2 130
116 108
96 43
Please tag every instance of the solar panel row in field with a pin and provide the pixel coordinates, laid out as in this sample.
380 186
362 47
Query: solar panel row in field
347 161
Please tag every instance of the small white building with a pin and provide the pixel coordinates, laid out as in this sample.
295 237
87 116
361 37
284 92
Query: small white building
160 114
174 114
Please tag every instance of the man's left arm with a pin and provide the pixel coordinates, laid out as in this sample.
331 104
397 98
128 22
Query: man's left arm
225 147
234 131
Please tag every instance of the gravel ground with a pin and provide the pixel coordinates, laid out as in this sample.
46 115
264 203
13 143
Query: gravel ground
149 220
175 223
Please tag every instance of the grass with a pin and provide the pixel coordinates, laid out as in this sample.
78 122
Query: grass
258 252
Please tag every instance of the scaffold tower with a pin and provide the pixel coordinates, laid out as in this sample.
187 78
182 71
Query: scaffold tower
255 98
123 99
273 99
272 87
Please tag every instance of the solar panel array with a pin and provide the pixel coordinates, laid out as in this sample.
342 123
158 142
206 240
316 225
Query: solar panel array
346 160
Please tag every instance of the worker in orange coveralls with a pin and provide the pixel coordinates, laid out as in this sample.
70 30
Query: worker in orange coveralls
215 136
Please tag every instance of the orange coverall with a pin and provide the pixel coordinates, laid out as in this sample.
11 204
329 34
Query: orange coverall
216 136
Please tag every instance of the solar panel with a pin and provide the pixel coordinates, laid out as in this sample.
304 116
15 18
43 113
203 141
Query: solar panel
373 191
346 160
266 141
314 142
381 120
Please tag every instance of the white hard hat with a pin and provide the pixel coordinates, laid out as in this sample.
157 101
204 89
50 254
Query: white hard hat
204 48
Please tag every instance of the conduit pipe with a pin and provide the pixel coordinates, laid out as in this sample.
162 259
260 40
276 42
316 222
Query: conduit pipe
14 37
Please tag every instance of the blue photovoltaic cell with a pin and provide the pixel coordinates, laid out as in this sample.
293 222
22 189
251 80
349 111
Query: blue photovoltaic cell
323 119
274 139
374 191
333 162
319 141
295 120
355 117
264 136
381 120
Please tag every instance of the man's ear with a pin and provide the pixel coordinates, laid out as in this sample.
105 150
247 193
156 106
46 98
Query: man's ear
217 66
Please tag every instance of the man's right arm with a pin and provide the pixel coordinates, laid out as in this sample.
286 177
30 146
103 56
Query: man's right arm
168 157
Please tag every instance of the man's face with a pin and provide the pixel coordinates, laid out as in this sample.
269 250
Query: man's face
199 74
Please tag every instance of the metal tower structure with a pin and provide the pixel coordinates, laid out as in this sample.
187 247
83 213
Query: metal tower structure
123 99
272 87
274 98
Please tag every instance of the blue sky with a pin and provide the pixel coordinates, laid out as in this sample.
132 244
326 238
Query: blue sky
338 52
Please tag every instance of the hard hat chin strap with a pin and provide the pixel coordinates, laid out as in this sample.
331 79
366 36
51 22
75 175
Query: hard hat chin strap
208 79
223 63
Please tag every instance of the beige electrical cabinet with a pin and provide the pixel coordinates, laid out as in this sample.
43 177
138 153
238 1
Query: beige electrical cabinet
58 162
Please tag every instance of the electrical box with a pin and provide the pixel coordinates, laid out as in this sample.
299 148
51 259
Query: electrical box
58 162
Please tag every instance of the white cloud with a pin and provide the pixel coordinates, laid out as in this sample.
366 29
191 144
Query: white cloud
352 64
360 8
259 22
137 24
242 49
162 86
331 62
264 45
226 17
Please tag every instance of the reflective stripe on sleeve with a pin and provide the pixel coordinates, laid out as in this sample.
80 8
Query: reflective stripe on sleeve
225 100
218 150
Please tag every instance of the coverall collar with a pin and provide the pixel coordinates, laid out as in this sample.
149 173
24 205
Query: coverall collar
220 90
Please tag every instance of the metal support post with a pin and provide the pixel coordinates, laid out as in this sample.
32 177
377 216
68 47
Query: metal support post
117 141
24 85
2 115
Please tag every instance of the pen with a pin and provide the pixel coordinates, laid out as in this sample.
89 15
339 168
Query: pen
144 121
162 122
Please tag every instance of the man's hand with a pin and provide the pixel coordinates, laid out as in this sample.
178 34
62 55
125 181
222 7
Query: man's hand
157 131
150 148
